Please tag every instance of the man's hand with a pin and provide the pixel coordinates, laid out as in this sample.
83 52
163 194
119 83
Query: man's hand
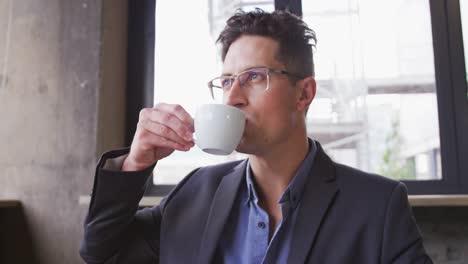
160 131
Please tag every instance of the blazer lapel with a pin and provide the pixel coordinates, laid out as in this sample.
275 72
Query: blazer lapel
219 212
318 196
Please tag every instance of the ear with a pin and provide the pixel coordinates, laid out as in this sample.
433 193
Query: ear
307 89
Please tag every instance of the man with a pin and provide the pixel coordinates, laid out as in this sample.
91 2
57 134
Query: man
287 203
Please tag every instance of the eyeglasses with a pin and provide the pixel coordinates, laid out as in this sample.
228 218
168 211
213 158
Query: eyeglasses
253 79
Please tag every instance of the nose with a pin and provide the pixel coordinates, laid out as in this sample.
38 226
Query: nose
236 95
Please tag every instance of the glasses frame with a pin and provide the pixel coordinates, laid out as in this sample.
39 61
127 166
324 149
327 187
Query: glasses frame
236 76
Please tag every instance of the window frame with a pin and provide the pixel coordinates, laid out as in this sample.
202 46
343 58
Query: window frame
450 75
460 87
449 184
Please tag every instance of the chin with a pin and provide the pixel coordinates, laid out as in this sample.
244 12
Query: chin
241 147
246 147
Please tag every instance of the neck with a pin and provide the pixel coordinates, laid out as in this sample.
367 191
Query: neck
274 170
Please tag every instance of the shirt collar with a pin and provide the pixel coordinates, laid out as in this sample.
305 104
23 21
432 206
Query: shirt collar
251 192
293 192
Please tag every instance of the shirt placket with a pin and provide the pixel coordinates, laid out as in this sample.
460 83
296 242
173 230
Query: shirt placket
260 223
273 246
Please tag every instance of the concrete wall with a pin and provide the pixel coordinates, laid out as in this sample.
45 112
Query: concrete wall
445 233
61 74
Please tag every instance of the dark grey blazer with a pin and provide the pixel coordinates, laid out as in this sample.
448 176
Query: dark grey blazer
346 216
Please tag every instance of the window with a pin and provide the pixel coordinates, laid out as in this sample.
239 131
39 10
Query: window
376 107
386 101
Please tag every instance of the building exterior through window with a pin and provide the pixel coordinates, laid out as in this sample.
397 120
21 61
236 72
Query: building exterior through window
376 102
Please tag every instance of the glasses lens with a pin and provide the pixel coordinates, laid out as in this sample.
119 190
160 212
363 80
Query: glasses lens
222 82
254 79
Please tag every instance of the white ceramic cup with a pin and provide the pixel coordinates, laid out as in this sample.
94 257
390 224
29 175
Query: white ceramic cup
218 128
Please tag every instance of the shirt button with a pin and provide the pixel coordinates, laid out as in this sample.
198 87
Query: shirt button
261 225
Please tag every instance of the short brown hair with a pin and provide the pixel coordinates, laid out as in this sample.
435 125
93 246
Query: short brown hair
292 34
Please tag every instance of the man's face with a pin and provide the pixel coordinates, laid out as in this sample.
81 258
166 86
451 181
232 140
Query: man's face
271 114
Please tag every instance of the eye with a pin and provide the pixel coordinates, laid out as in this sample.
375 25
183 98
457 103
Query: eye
256 76
226 83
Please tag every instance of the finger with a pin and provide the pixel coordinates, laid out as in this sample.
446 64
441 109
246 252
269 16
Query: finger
163 131
150 141
171 121
160 142
177 111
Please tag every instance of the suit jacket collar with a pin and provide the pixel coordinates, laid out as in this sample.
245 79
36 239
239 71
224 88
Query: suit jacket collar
319 192
318 196
219 212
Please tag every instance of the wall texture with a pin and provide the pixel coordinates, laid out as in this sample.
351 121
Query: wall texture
52 59
445 233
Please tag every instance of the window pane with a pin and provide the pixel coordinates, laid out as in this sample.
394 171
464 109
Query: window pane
464 20
376 105
185 60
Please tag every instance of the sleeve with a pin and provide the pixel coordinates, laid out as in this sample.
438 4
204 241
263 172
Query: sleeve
115 231
115 164
402 241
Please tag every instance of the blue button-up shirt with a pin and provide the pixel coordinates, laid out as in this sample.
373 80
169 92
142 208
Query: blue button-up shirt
245 237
